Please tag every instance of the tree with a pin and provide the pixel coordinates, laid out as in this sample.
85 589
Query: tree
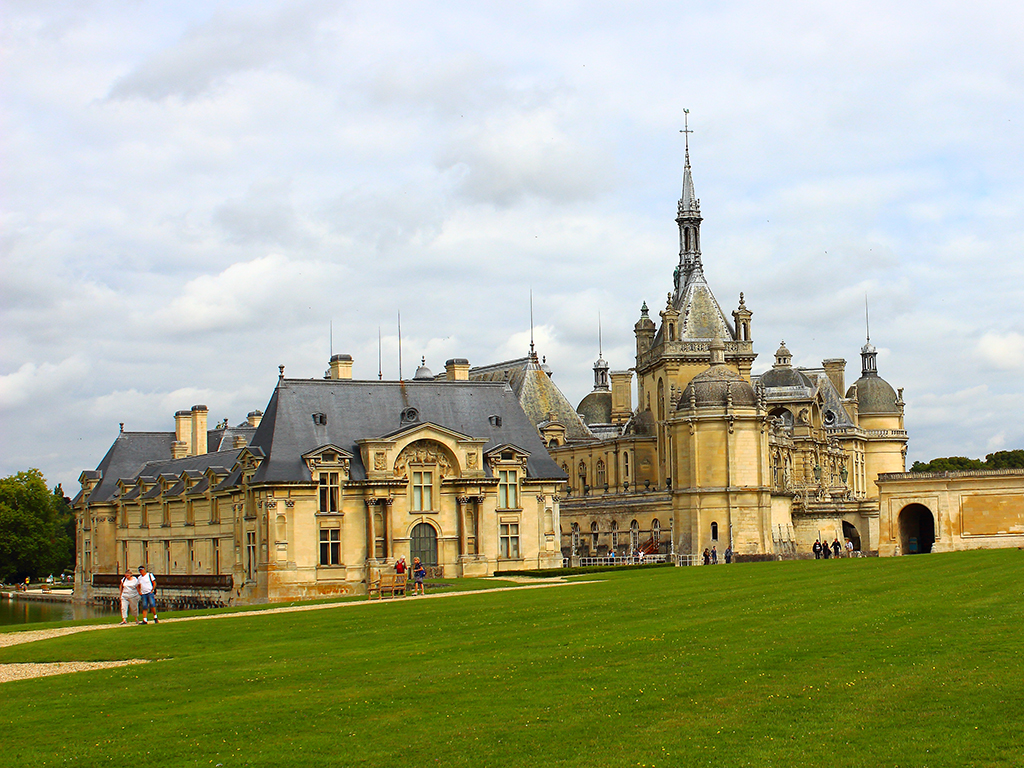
1005 460
948 464
36 527
997 460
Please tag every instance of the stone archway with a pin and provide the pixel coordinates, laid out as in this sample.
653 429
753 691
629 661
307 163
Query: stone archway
917 529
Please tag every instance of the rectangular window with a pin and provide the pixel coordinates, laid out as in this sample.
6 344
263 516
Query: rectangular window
330 491
167 514
167 557
216 556
214 510
145 554
422 490
190 513
191 556
144 516
124 555
508 489
508 541
250 555
330 546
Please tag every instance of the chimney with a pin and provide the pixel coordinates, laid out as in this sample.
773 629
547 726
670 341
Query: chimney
457 369
835 369
622 396
199 414
182 445
254 418
341 367
239 441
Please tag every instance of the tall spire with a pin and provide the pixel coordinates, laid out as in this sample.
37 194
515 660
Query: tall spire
688 218
868 353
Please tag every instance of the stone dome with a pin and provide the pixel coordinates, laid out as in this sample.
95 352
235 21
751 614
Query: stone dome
423 373
596 408
874 395
785 377
712 388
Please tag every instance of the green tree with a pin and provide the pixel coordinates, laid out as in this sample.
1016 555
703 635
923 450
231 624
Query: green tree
36 528
948 464
1005 460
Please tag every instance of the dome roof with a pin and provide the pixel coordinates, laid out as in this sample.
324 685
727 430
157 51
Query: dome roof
785 377
596 408
423 373
874 395
712 388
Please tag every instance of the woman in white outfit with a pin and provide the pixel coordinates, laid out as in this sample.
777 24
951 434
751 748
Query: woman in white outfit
129 597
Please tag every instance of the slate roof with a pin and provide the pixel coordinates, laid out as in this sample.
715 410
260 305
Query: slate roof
538 395
358 410
149 453
700 316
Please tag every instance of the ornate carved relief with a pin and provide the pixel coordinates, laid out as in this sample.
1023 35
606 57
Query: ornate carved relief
423 452
471 460
380 461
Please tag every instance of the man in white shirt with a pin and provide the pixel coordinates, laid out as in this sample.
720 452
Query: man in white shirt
147 594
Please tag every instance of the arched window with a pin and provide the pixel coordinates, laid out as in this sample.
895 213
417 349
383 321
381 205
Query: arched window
615 534
575 537
593 536
600 473
581 470
626 457
634 535
424 543
661 400
379 536
714 531
656 532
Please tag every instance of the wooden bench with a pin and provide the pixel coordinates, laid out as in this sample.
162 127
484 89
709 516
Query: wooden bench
391 584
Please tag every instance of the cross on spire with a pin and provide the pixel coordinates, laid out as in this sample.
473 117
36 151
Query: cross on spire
686 133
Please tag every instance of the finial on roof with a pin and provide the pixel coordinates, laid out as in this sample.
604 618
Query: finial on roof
743 304
644 310
600 344
122 426
867 320
280 371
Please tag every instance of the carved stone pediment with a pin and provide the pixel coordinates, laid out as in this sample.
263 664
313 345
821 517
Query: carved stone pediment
424 452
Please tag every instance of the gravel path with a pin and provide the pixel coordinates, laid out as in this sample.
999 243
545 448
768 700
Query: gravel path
9 672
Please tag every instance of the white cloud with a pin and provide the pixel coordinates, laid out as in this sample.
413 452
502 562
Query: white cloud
1002 350
38 382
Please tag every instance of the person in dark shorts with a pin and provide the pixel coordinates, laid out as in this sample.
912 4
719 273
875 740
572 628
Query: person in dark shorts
147 595
419 572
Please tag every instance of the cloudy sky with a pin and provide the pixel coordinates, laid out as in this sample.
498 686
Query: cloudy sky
192 193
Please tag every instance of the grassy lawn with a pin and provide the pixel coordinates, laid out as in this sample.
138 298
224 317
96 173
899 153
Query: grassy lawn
915 661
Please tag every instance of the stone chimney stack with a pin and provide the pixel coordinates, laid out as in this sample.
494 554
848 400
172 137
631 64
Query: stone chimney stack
199 416
182 445
239 442
835 369
254 418
622 396
341 367
457 369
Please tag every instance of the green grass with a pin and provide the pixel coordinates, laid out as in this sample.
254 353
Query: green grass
914 661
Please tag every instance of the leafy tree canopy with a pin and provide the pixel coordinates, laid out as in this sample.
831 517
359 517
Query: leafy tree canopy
997 460
36 528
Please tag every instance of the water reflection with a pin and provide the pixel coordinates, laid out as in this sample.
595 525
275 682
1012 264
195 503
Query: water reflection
29 611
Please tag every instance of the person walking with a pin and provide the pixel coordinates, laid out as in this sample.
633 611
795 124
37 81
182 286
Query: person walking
714 555
728 555
129 597
707 556
837 548
147 595
419 573
825 551
816 549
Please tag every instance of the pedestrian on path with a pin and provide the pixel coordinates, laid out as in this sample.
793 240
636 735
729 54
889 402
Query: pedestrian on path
129 597
147 594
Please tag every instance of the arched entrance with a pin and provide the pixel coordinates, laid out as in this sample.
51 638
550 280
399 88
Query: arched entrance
424 543
917 529
850 533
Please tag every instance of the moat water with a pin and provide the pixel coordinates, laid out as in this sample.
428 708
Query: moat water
30 611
